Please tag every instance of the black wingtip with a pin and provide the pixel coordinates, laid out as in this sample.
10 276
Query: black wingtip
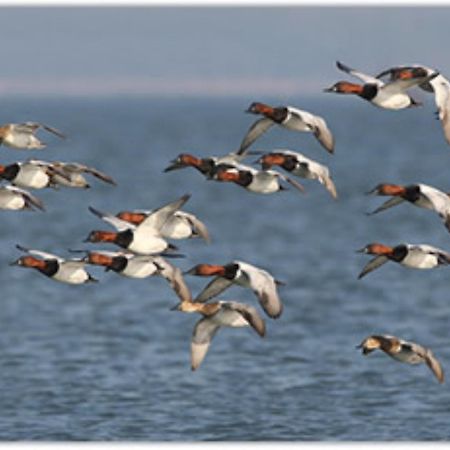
95 211
21 248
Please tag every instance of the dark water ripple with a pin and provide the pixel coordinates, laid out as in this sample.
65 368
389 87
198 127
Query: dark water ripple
111 362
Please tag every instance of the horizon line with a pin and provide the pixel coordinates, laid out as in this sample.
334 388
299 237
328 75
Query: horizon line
239 86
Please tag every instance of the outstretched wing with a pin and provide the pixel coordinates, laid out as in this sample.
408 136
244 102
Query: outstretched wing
264 287
441 87
250 314
78 168
435 366
400 85
54 131
256 130
372 265
118 224
175 278
204 331
198 226
158 217
394 201
362 76
430 360
39 253
289 180
31 127
216 286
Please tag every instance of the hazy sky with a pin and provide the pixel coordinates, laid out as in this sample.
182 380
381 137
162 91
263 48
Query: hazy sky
210 50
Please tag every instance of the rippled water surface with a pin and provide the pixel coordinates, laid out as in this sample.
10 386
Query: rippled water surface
110 361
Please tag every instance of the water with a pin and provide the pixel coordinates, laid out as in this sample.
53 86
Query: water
109 361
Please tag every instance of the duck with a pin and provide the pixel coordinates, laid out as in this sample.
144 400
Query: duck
137 266
69 271
221 313
290 118
414 256
391 95
403 351
14 198
243 274
70 174
299 165
22 135
257 181
439 85
181 225
143 239
124 263
206 166
419 194
31 174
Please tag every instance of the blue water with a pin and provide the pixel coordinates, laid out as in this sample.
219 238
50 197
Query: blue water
110 361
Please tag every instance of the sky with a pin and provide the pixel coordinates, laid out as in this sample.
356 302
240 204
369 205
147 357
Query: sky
207 50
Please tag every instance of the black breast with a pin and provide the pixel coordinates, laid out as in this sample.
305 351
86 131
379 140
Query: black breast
207 167
51 267
399 253
289 163
124 238
230 271
412 193
11 171
279 114
369 91
118 263
245 178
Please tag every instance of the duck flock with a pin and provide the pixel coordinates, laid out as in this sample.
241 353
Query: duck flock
142 237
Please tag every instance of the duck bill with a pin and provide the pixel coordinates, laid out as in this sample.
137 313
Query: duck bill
17 262
175 307
328 89
361 250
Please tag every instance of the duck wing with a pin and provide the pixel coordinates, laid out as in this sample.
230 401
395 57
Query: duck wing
198 226
175 278
394 201
78 168
31 127
264 287
373 264
118 224
39 253
400 85
434 365
441 87
254 132
203 333
158 217
250 314
430 360
362 76
216 286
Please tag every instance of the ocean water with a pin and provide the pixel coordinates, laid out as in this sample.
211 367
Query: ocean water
110 361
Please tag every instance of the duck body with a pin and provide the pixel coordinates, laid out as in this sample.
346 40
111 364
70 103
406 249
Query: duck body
299 165
403 351
391 95
261 282
69 271
413 256
288 117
